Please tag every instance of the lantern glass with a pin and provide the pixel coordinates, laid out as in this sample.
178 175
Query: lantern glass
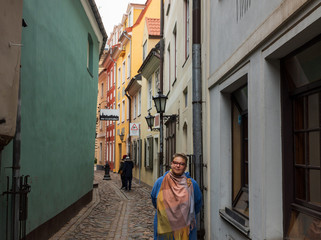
150 120
121 136
160 102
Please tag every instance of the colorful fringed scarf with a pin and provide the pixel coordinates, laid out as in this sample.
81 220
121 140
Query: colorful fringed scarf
175 208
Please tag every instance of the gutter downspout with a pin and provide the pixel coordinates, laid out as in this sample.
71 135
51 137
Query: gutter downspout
114 155
129 99
16 170
129 116
161 80
197 106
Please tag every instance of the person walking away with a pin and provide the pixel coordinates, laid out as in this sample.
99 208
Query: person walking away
121 172
128 171
177 199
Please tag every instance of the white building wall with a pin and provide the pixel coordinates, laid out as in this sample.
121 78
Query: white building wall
251 46
175 90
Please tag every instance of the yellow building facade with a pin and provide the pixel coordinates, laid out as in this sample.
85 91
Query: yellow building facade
133 107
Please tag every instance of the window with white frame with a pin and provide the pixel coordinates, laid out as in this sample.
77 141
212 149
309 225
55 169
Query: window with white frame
130 19
135 105
123 111
124 72
120 119
114 78
149 94
128 66
127 114
108 77
139 103
118 77
157 83
149 153
144 50
111 77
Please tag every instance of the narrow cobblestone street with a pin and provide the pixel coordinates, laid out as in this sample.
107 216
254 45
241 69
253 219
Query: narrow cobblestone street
113 213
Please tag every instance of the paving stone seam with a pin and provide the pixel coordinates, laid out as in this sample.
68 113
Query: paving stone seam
119 192
115 225
74 222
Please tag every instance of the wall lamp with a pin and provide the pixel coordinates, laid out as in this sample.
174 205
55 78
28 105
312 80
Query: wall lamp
160 105
121 136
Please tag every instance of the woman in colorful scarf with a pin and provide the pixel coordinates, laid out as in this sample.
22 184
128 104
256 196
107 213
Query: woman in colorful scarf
177 199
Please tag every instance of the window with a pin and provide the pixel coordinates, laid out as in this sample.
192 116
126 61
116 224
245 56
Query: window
118 77
301 124
130 19
120 118
139 103
102 90
157 83
150 94
135 155
144 50
108 77
240 194
123 111
90 56
128 66
124 71
111 78
114 79
170 141
135 106
187 22
149 153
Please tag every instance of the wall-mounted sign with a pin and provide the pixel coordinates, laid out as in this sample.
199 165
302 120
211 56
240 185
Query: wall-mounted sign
109 114
134 129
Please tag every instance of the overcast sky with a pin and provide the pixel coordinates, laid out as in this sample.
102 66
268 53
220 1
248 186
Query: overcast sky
111 11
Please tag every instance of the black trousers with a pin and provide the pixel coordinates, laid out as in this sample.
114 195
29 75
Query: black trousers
123 181
128 184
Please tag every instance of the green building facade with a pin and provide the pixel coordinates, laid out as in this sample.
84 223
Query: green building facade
61 46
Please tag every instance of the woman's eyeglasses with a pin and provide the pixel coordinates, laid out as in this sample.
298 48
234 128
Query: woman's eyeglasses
179 163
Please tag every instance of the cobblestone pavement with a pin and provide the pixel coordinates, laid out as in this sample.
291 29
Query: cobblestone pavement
113 213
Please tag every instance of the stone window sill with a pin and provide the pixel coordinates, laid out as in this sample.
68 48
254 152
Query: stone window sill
236 220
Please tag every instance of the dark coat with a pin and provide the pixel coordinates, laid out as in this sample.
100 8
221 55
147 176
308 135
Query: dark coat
128 168
121 169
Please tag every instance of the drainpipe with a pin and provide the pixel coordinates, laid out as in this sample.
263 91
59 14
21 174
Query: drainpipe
130 73
129 116
16 170
161 80
197 105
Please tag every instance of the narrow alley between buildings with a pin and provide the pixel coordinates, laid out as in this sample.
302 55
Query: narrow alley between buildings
113 213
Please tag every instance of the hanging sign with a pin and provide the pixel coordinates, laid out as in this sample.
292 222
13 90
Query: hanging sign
109 114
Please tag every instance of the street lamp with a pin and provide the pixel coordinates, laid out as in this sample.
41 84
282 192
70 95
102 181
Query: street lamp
150 120
160 102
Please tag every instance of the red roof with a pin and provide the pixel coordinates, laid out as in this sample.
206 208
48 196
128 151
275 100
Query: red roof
153 26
